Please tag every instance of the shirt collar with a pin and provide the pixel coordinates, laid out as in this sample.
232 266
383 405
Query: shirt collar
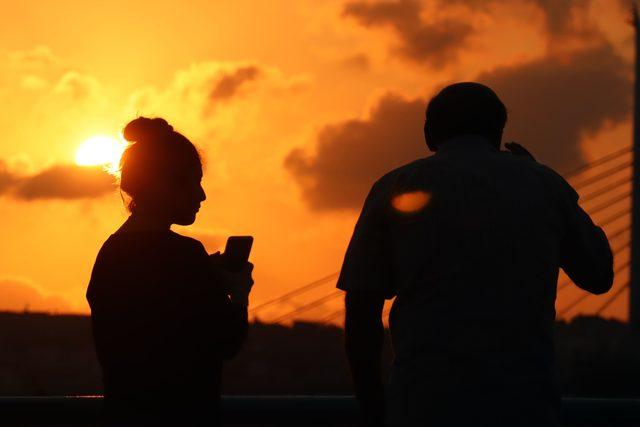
466 142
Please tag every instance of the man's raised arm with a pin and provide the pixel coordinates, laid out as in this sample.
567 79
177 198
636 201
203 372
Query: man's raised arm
585 254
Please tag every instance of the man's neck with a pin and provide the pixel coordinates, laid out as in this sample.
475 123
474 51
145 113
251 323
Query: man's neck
468 142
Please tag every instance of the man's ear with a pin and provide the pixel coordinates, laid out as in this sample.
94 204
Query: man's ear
428 137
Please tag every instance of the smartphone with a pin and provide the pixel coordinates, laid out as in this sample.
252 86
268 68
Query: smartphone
236 252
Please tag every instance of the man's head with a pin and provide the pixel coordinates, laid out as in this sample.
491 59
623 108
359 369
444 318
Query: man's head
466 108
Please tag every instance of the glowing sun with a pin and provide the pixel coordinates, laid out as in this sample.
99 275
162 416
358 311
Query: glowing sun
101 150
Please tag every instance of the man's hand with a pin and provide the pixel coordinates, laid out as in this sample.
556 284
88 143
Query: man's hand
519 150
236 284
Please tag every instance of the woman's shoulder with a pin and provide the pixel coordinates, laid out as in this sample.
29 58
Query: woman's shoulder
132 239
187 242
134 249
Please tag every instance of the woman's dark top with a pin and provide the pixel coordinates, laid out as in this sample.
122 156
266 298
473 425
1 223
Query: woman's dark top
161 324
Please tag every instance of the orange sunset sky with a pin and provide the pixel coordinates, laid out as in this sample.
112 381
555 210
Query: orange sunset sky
298 106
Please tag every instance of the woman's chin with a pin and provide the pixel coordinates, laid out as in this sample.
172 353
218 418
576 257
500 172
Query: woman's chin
185 219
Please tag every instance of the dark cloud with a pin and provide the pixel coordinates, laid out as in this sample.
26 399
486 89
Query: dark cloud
61 182
20 295
553 102
433 43
7 177
437 43
560 17
351 155
230 83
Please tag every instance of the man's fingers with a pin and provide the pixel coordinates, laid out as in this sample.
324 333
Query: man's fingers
515 147
518 150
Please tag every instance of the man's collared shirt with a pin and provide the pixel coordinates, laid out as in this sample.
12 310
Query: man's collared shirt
469 241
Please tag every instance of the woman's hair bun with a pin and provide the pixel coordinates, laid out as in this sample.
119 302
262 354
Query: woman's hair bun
145 129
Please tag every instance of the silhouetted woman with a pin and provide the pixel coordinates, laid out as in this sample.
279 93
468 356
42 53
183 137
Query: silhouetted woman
164 313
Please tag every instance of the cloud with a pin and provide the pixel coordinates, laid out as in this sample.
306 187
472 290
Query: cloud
229 84
7 177
434 43
79 87
36 58
196 92
22 295
352 154
435 32
57 182
560 17
358 62
33 82
39 68
553 102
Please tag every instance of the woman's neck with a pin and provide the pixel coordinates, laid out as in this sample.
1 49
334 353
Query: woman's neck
140 221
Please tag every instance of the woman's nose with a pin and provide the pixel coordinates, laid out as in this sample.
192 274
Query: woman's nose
203 195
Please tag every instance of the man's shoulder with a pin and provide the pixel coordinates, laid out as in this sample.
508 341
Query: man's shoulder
546 171
390 178
550 178
527 163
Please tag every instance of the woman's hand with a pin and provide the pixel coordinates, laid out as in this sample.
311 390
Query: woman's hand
237 284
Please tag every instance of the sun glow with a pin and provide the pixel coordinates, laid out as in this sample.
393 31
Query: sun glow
101 150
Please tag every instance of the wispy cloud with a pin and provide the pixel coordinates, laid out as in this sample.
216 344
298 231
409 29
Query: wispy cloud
65 182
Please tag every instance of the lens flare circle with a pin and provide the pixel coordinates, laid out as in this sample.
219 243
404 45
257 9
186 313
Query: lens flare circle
100 150
411 202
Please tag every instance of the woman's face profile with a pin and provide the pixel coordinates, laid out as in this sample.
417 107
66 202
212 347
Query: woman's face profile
176 197
184 196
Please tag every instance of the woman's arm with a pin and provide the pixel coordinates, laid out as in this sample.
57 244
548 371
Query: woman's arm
234 322
234 328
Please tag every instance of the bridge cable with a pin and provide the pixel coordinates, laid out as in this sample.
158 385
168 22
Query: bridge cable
307 307
612 298
604 190
597 162
608 203
587 294
605 174
614 217
296 291
617 250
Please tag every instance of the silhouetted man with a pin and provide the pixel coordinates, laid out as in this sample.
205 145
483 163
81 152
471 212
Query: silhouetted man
470 242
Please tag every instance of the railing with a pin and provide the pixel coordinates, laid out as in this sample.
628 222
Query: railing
283 410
